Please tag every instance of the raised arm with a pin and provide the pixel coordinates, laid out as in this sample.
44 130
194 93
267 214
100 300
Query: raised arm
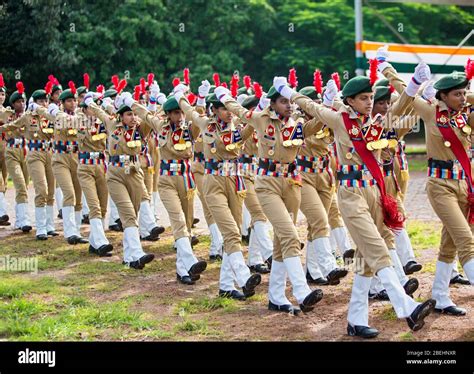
154 121
18 123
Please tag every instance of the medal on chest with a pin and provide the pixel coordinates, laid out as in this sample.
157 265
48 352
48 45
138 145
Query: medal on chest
132 137
373 135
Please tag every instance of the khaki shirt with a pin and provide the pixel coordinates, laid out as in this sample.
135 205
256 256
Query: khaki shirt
66 125
270 130
35 127
213 134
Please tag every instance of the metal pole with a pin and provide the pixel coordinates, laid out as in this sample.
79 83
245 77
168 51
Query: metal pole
358 37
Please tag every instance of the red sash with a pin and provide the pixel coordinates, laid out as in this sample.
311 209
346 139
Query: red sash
457 148
392 217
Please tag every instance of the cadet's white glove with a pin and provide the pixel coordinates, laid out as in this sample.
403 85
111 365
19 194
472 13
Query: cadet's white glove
89 98
32 106
204 88
179 91
281 85
262 103
53 109
429 91
241 98
154 92
127 99
382 57
161 98
106 102
222 94
422 74
330 93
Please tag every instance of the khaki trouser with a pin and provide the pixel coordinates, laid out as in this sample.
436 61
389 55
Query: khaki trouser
41 172
3 168
363 216
225 205
94 186
252 204
174 196
334 215
65 172
448 198
199 179
316 198
280 201
16 164
126 190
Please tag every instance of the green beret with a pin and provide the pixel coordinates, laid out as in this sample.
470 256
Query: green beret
250 102
356 85
66 94
16 96
56 87
244 90
451 81
39 94
212 99
110 93
211 89
382 82
3 89
170 105
81 90
273 94
382 93
311 92
82 105
124 108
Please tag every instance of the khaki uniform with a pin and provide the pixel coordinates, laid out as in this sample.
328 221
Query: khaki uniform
359 206
176 191
224 191
3 164
15 158
91 170
38 135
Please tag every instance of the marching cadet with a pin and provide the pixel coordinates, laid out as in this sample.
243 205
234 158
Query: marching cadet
124 175
365 206
176 179
448 121
91 174
224 188
65 160
15 157
260 245
4 219
278 187
197 167
313 162
38 134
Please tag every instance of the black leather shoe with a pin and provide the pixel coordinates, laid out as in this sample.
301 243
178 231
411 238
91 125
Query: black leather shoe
336 274
252 282
194 241
141 262
213 258
195 222
26 228
382 296
412 267
411 286
417 319
52 233
4 220
365 332
74 239
259 268
246 239
155 233
115 228
102 251
459 279
348 256
286 308
195 270
319 281
234 294
452 311
41 237
309 301
85 219
60 214
185 279
269 261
